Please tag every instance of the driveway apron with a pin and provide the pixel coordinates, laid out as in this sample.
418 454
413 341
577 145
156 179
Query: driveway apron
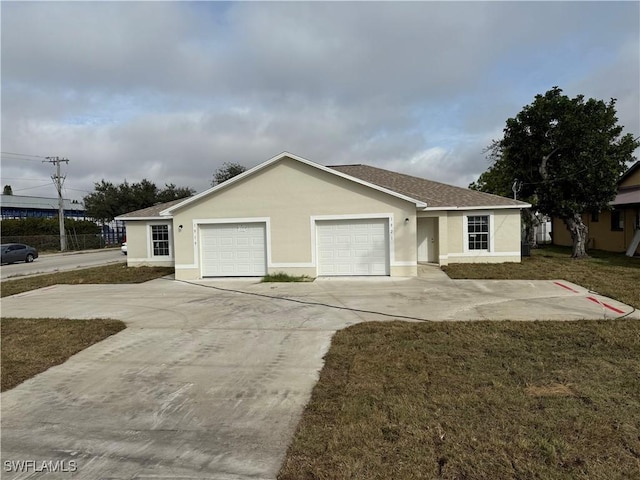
207 382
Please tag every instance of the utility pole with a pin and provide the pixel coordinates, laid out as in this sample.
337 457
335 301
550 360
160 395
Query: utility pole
516 187
58 180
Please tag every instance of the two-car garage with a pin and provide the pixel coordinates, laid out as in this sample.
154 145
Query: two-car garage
342 247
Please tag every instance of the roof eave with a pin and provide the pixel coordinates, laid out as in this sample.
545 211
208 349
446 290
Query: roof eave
126 219
478 207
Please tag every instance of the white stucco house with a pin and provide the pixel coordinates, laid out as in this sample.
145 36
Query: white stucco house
292 215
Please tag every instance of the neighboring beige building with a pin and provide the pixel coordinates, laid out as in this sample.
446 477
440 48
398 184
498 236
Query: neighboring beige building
292 215
612 230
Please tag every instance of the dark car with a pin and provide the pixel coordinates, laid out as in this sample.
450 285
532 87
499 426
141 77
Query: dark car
17 252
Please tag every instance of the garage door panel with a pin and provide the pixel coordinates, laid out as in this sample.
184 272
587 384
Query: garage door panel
353 247
233 250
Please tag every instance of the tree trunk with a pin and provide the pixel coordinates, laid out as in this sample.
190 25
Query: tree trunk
531 223
578 232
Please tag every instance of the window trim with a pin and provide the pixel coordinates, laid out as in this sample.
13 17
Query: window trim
465 232
150 249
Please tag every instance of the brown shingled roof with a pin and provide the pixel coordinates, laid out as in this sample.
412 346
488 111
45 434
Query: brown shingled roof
434 194
150 212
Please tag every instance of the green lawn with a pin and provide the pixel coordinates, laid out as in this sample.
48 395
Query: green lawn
477 400
31 346
108 274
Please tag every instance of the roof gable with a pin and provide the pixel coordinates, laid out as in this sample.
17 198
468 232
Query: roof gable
631 177
435 194
419 203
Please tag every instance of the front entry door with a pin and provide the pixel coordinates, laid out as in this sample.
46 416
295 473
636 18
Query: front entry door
427 232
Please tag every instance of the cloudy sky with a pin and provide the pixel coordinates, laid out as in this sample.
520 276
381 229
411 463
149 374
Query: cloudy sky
168 91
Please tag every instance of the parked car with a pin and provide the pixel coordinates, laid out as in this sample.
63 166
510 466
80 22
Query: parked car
123 248
17 252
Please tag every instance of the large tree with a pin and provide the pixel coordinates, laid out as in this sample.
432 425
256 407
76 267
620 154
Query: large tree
567 155
109 200
226 172
501 179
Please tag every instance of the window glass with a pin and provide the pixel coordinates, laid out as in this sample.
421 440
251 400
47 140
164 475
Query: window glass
617 220
160 240
478 232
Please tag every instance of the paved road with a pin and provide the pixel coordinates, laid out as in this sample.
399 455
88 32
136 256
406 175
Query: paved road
207 383
62 261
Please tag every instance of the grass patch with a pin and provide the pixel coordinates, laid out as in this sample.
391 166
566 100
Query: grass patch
611 274
31 346
111 274
474 400
284 277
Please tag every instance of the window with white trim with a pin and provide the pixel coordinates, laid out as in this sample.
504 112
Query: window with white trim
160 240
478 232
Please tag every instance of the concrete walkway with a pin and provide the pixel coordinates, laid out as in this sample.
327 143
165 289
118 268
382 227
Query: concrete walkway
207 382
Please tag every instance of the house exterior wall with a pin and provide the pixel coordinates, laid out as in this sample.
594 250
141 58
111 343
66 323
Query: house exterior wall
139 247
601 236
452 238
632 180
289 196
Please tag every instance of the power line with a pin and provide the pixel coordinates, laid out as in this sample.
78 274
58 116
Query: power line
31 188
77 190
22 179
33 157
23 154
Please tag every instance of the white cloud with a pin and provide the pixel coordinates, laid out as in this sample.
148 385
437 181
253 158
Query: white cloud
171 90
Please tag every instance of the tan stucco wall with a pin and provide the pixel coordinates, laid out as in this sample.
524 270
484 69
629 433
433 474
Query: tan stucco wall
139 245
600 235
455 235
505 231
289 193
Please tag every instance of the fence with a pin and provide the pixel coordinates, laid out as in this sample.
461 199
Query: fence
52 242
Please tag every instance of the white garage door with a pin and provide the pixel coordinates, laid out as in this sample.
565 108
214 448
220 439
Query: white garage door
233 250
353 247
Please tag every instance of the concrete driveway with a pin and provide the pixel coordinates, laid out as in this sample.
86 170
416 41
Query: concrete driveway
210 383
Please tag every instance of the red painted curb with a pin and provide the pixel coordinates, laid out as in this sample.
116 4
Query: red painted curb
565 286
595 300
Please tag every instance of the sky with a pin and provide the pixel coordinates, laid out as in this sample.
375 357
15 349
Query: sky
169 91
